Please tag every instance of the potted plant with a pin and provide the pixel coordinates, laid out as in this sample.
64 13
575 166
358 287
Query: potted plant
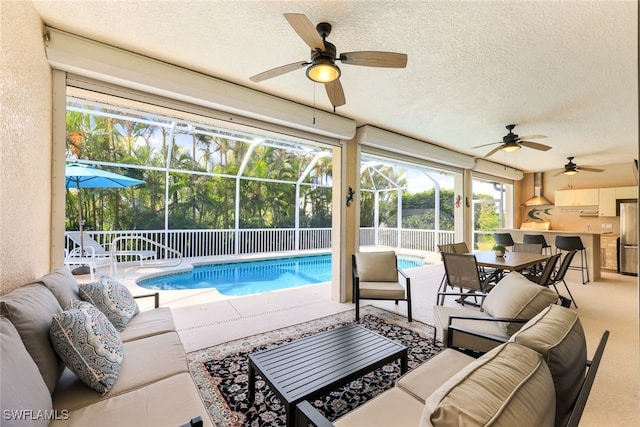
499 249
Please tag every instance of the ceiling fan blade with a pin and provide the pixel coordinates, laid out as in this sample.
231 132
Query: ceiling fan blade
589 169
278 71
371 58
306 30
532 137
335 93
492 152
486 145
534 145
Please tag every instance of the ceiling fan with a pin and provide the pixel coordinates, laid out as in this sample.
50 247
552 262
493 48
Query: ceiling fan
512 142
322 68
572 169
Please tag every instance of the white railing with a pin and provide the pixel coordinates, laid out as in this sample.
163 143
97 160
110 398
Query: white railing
204 243
422 240
124 243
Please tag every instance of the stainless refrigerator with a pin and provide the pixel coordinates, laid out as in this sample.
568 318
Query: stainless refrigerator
628 250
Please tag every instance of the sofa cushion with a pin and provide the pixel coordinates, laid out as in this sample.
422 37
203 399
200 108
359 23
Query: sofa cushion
557 334
169 402
30 309
494 390
146 361
112 298
22 387
426 378
89 345
148 323
441 315
377 266
394 407
62 285
517 297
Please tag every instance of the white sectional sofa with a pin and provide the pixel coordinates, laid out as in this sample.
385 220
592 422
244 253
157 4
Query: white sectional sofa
153 386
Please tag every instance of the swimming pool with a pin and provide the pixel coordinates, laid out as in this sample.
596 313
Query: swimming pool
253 277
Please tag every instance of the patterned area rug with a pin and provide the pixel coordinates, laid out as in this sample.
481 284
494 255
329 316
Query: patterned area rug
221 372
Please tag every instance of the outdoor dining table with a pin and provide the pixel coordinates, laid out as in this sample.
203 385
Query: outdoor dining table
511 261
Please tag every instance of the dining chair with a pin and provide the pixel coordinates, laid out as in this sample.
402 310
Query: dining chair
454 248
530 248
462 272
545 278
376 276
562 271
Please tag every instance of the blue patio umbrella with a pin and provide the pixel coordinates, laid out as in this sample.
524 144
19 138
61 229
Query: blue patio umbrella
80 176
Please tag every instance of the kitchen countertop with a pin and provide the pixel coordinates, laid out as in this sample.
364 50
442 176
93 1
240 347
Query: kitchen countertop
536 231
590 240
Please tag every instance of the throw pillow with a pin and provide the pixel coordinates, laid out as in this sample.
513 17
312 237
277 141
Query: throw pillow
112 298
493 390
22 387
516 297
30 308
88 344
62 285
556 333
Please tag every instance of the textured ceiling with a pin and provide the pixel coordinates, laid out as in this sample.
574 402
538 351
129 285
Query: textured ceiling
567 70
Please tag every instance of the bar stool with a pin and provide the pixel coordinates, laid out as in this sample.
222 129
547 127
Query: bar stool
537 238
503 239
570 243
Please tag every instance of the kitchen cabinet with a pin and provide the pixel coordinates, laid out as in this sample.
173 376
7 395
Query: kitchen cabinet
580 197
607 202
626 192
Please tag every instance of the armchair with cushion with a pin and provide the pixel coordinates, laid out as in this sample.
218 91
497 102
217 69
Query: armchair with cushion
376 277
512 302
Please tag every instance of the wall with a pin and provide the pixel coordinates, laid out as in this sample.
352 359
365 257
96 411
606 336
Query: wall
25 149
617 175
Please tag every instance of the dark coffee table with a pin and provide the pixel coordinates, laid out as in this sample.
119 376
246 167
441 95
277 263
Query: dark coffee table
312 366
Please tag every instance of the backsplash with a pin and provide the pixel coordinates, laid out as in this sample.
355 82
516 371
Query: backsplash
571 220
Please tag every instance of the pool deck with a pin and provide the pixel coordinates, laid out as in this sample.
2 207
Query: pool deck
205 317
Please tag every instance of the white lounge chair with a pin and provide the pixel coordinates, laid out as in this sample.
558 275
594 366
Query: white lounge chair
94 250
78 261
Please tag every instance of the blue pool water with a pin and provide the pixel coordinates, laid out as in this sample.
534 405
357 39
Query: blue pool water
252 277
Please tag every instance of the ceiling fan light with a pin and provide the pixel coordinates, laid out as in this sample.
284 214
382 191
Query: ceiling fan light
570 172
323 71
510 147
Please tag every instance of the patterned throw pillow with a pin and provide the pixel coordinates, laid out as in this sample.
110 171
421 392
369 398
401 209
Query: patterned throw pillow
88 344
112 298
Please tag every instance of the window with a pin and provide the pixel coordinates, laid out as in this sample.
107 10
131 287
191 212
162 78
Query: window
492 209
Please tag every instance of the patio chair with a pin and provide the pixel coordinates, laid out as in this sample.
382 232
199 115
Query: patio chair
530 248
90 262
93 249
545 278
462 272
562 271
454 248
376 277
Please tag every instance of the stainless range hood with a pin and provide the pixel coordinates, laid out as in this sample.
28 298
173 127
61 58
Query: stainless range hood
537 199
